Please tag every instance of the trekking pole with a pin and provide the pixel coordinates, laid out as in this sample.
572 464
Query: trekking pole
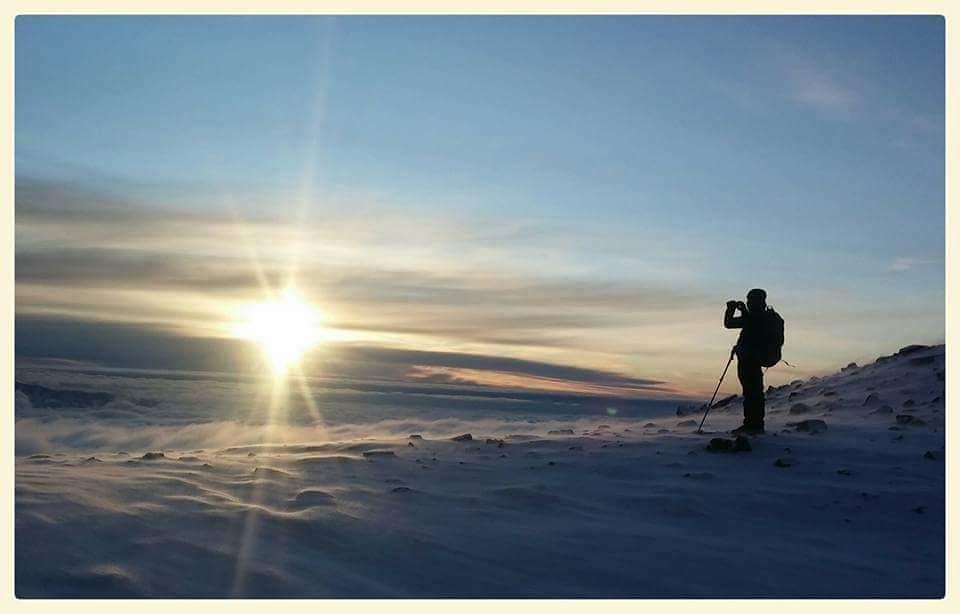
710 404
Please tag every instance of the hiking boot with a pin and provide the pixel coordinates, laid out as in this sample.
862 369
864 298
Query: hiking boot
748 429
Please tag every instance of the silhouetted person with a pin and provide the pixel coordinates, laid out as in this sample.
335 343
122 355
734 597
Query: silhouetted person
758 346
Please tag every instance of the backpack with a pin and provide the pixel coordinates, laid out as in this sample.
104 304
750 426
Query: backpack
773 334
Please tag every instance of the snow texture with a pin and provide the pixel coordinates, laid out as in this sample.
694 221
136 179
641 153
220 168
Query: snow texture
843 500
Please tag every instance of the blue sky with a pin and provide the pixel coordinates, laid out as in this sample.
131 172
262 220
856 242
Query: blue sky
676 161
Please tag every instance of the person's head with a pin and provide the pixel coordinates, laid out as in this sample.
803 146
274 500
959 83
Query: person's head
756 300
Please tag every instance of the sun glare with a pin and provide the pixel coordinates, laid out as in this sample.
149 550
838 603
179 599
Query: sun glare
284 328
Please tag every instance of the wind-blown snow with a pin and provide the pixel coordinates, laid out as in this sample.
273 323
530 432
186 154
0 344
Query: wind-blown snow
600 507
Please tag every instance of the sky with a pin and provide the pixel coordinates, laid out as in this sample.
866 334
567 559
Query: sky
558 203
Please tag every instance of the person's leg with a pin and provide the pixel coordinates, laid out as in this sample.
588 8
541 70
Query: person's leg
743 374
753 398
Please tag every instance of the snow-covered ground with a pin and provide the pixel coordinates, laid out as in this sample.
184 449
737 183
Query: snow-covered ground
598 507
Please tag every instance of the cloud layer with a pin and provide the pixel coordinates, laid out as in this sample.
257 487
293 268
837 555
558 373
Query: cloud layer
425 299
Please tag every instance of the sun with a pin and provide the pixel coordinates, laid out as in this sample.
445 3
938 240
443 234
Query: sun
284 328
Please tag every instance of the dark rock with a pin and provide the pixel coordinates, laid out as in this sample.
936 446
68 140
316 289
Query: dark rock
799 408
378 453
464 437
849 367
742 444
494 442
909 403
883 409
904 419
910 349
93 459
402 489
920 509
809 426
410 444
650 425
929 455
687 423
872 399
844 472
781 463
725 401
415 437
251 454
153 456
719 444
560 432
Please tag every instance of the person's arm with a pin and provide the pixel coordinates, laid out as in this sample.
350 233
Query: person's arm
730 320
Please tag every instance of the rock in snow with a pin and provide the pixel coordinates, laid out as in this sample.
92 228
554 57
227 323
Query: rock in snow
809 426
719 444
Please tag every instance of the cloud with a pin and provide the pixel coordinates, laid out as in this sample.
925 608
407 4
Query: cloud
357 367
819 85
498 364
95 254
900 265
